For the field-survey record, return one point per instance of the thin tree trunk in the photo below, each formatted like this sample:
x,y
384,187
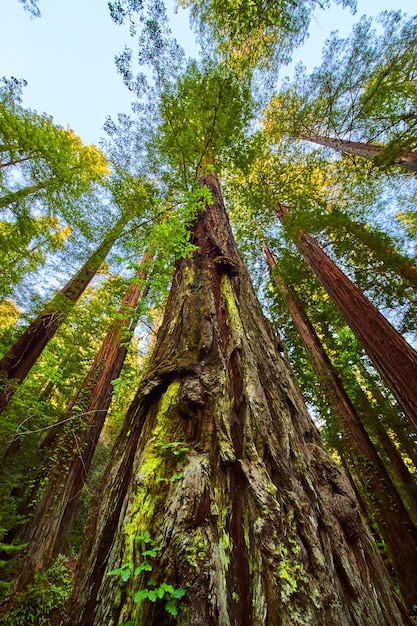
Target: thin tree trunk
x,y
406,160
392,421
403,266
16,162
18,361
71,456
394,522
16,196
220,463
401,475
391,355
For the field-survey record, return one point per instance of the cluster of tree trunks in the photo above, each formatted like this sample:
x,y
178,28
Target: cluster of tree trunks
x,y
22,356
69,456
394,522
219,461
391,355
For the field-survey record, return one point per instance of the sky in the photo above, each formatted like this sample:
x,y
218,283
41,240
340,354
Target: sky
x,y
67,55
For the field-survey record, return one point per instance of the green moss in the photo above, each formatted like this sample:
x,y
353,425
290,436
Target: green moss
x,y
229,297
290,570
198,549
151,472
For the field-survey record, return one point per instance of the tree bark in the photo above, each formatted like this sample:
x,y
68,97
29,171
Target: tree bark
x,y
391,355
394,522
16,196
18,361
403,266
219,461
406,160
70,458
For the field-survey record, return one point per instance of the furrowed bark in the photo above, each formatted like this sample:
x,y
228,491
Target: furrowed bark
x,y
220,463
72,453
391,355
394,522
406,160
18,361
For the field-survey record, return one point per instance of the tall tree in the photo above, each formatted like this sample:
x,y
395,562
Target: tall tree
x,y
392,356
257,34
59,487
17,362
394,523
238,425
362,99
49,158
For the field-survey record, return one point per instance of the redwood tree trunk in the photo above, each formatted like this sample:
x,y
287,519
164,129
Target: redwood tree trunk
x,y
72,453
221,464
18,361
394,523
391,355
406,160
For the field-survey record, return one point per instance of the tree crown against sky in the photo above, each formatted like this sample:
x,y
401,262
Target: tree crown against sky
x,y
208,383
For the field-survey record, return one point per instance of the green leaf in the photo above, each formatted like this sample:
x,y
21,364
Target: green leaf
x,y
143,567
179,593
160,592
153,552
141,595
171,608
152,595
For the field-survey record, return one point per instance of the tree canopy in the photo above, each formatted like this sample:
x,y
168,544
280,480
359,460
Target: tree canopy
x,y
208,492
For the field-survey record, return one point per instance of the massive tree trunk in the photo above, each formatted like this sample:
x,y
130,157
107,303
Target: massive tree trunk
x,y
69,460
406,160
220,463
18,361
394,523
391,355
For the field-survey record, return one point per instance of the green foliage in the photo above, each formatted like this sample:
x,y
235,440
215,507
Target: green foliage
x,y
153,591
253,33
203,117
44,597
364,90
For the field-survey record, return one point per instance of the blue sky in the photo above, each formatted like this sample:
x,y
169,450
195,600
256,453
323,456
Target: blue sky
x,y
67,56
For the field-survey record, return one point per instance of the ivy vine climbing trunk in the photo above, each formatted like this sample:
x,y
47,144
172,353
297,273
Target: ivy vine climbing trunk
x,y
69,459
220,469
394,522
21,357
391,355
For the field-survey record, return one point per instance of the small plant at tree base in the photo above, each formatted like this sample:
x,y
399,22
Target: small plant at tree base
x,y
153,591
44,597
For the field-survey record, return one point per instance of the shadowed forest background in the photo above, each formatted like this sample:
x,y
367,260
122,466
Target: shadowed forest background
x,y
208,375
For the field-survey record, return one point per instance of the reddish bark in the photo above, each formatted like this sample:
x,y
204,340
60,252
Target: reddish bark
x,y
391,355
73,451
394,522
18,361
257,501
406,160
